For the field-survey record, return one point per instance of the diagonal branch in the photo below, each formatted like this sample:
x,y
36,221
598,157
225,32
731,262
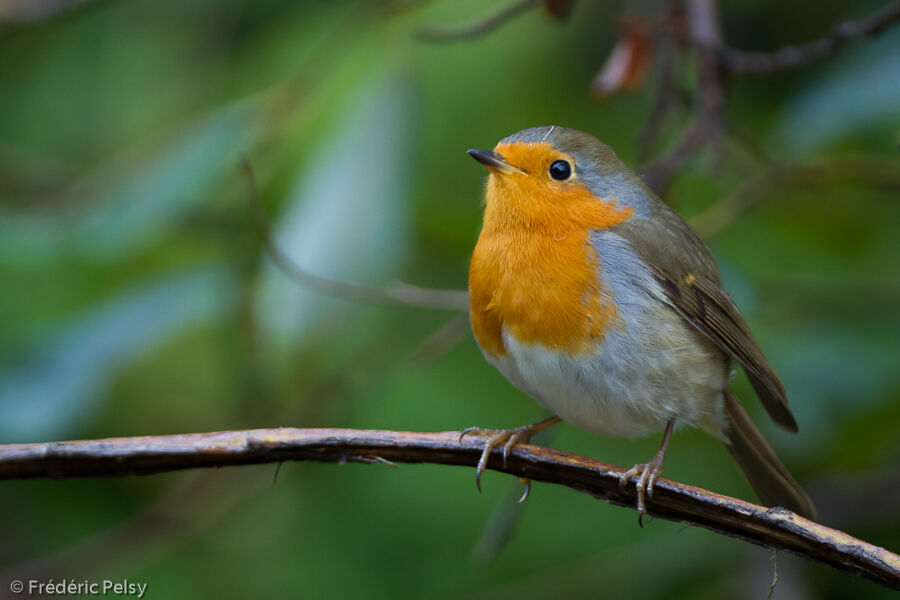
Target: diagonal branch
x,y
478,28
402,293
706,124
791,57
773,528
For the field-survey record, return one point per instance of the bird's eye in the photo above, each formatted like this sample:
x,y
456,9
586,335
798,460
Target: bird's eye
x,y
560,170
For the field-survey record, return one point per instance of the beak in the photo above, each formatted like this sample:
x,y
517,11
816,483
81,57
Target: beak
x,y
493,161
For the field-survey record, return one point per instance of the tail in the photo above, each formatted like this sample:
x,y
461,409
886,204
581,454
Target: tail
x,y
768,477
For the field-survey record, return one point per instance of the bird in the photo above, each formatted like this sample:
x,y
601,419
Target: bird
x,y
595,298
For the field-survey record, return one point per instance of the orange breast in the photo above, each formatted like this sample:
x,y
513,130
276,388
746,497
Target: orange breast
x,y
538,276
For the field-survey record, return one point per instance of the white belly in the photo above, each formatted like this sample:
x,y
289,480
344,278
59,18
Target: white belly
x,y
628,387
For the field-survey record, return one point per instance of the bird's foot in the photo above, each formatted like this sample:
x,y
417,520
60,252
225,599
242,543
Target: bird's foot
x,y
508,438
646,474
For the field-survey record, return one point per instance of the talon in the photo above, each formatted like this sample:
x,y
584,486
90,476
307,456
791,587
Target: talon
x,y
647,474
627,475
467,431
527,484
510,443
650,482
482,464
509,438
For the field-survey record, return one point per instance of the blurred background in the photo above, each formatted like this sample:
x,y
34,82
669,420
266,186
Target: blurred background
x,y
136,296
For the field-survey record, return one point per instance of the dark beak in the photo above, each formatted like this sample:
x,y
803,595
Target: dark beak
x,y
493,161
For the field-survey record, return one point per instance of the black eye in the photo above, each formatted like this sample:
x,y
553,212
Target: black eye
x,y
560,170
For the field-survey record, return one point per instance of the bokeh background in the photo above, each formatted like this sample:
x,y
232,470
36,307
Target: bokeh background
x,y
136,297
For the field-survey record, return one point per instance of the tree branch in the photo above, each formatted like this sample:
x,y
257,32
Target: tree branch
x,y
478,28
706,123
778,178
403,294
774,527
791,57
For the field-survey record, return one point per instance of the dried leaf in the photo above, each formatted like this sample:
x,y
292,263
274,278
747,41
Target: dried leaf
x,y
627,64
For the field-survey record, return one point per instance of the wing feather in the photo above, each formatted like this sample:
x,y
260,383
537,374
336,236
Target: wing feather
x,y
705,305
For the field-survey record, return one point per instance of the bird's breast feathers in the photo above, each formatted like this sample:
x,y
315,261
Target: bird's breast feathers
x,y
538,289
581,326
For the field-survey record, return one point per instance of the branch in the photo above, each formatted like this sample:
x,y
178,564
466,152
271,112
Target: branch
x,y
478,28
706,124
403,293
665,94
815,174
791,57
773,527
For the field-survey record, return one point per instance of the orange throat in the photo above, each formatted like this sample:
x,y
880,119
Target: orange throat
x,y
534,273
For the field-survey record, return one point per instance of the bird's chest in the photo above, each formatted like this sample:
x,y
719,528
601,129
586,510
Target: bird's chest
x,y
588,337
540,288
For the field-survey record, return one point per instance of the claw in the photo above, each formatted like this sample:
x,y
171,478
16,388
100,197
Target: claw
x,y
515,439
527,483
467,431
646,475
509,438
650,481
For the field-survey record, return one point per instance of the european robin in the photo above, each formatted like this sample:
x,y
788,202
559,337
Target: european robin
x,y
596,299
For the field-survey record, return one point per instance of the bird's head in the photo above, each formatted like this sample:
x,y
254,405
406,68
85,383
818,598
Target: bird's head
x,y
556,179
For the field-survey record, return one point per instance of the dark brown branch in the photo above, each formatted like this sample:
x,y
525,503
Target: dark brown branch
x,y
706,123
773,527
478,28
665,94
791,57
403,293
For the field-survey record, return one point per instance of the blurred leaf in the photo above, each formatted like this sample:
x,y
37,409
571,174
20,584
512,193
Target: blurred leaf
x,y
861,91
833,373
136,207
626,66
50,394
348,213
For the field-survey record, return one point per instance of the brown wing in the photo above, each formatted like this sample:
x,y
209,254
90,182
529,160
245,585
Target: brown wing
x,y
706,306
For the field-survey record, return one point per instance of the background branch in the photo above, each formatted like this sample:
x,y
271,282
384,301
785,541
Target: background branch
x,y
478,28
810,175
791,57
706,124
402,293
774,527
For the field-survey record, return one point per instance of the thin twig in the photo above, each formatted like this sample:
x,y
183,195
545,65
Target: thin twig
x,y
402,293
441,341
706,123
772,527
478,28
791,57
665,94
718,216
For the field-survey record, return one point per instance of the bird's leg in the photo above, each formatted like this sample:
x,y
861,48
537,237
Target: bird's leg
x,y
647,473
509,438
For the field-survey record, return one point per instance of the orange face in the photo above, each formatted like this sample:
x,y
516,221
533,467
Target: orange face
x,y
534,273
532,198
